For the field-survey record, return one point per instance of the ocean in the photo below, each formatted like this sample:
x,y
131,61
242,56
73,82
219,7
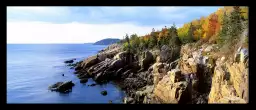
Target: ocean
x,y
32,68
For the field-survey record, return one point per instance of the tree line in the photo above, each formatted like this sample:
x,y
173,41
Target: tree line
x,y
222,26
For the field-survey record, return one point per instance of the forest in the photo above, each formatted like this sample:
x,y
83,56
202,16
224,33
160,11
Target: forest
x,y
221,27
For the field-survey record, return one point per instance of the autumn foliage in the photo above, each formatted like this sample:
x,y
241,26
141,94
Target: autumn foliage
x,y
207,29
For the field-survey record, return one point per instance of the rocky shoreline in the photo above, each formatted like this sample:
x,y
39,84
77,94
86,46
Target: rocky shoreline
x,y
183,75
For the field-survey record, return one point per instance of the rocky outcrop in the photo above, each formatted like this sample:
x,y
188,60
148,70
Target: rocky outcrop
x,y
62,86
197,77
159,71
229,83
168,90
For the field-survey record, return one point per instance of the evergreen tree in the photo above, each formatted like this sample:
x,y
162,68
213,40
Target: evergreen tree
x,y
153,39
236,24
174,40
225,32
128,41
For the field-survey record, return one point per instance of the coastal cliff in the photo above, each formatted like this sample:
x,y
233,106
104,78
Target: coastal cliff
x,y
166,67
192,78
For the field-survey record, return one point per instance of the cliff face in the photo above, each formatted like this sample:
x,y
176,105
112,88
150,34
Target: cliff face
x,y
230,83
199,76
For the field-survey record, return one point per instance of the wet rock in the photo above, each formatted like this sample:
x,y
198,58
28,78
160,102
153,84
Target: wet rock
x,y
62,86
69,61
78,68
84,80
104,93
92,85
55,86
82,76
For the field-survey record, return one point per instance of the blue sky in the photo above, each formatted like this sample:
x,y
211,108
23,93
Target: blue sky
x,y
96,22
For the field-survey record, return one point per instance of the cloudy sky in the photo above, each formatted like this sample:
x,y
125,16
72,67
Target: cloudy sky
x,y
90,24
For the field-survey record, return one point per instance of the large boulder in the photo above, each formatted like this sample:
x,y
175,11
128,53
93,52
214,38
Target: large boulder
x,y
62,86
126,57
169,92
165,54
155,53
117,64
88,62
159,71
147,60
120,55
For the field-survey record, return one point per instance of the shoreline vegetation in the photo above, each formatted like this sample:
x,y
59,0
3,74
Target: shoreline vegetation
x,y
205,61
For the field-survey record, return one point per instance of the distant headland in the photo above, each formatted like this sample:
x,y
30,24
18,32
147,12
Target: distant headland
x,y
107,41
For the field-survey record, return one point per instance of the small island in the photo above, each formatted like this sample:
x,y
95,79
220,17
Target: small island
x,y
106,41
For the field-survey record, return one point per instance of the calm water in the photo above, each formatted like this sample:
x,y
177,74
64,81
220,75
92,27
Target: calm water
x,y
31,68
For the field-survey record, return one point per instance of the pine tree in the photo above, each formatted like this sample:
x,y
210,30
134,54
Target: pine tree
x,y
190,37
225,31
128,41
236,24
153,39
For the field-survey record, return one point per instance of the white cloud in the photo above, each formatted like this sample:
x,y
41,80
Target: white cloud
x,y
45,10
169,9
44,32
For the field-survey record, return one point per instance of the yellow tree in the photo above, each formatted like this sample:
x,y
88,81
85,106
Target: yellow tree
x,y
205,28
198,34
